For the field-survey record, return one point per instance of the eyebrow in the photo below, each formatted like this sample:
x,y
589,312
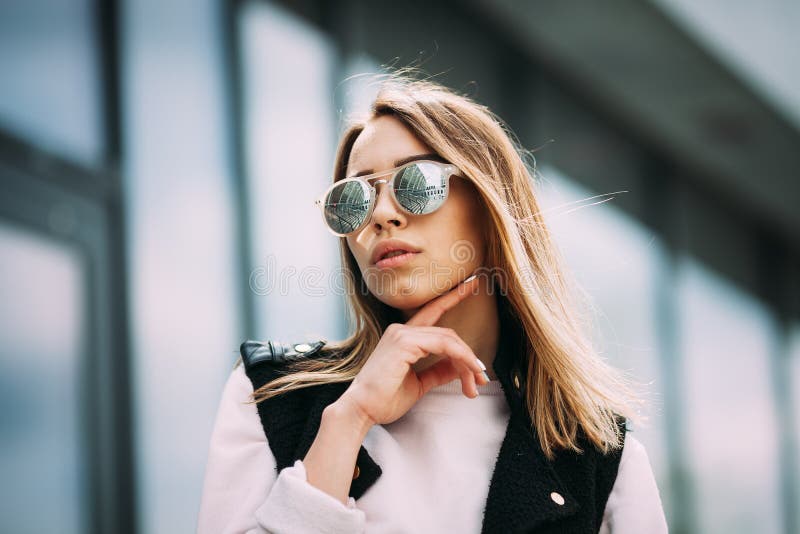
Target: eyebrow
x,y
403,161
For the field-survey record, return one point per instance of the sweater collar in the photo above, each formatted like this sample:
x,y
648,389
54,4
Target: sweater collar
x,y
493,388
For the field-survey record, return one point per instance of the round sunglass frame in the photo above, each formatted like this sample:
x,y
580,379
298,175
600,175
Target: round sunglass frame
x,y
449,169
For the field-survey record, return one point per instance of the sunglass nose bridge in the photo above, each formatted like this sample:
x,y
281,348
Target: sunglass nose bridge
x,y
376,183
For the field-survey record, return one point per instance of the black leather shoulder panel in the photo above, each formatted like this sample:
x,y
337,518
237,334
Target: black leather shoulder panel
x,y
256,353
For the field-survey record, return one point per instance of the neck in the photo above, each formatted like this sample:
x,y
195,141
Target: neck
x,y
475,319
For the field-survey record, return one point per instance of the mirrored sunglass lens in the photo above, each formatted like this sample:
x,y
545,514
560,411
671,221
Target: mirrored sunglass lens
x,y
346,207
421,188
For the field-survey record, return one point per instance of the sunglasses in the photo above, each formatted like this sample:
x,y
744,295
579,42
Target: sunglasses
x,y
419,188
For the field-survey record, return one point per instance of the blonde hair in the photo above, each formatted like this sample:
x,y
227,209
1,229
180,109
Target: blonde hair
x,y
569,388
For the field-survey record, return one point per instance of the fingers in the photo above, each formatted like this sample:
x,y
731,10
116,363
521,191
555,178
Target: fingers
x,y
449,332
480,376
437,374
446,371
467,365
447,345
431,312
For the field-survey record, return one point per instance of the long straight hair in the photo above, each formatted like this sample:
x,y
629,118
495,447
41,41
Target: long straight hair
x,y
569,388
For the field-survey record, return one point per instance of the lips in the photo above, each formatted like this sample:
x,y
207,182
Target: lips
x,y
387,247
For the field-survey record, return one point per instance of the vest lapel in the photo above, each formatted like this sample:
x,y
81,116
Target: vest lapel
x,y
523,482
521,490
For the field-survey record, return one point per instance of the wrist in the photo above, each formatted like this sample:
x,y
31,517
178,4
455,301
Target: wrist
x,y
346,412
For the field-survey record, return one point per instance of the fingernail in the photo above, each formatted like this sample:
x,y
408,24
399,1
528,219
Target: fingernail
x,y
487,377
481,364
467,279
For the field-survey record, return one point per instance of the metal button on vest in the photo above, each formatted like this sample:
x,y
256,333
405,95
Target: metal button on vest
x,y
302,347
356,472
557,498
516,380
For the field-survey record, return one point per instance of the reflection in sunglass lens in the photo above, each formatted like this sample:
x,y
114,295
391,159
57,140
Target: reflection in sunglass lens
x,y
421,188
347,206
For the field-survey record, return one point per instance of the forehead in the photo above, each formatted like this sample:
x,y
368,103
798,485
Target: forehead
x,y
383,141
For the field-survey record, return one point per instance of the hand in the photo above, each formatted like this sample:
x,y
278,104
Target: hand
x,y
387,386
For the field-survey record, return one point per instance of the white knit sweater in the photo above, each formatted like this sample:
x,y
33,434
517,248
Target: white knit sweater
x,y
436,462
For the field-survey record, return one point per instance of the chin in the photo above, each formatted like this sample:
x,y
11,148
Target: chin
x,y
406,300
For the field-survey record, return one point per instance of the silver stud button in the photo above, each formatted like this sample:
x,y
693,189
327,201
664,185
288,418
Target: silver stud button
x,y
557,498
302,347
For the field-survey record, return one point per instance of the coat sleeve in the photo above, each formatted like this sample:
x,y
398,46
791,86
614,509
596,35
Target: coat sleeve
x,y
243,493
634,504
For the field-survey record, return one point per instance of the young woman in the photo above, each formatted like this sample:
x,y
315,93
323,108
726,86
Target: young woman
x,y
467,398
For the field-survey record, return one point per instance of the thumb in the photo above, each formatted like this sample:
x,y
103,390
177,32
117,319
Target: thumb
x,y
437,374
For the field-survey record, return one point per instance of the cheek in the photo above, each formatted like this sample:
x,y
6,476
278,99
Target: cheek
x,y
356,251
465,237
467,247
456,241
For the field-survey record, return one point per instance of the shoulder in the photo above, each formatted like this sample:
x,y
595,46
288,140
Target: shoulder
x,y
635,460
237,419
635,501
238,385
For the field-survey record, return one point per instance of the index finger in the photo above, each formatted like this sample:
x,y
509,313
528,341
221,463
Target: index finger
x,y
430,313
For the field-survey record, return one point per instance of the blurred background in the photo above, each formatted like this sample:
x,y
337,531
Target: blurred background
x,y
159,160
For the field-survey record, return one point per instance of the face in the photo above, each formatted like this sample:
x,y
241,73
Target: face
x,y
450,241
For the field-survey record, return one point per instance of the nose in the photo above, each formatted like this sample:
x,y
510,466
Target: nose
x,y
386,213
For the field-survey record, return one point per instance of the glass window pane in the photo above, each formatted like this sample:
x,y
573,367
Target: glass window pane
x,y
41,350
732,429
184,286
50,94
290,129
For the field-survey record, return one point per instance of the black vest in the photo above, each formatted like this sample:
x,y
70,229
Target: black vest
x,y
527,493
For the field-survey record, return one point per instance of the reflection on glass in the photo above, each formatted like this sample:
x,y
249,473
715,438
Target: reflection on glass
x,y
420,188
346,206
